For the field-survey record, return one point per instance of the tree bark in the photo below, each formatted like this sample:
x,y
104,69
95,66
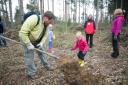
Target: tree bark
x,y
48,5
21,9
10,9
97,14
79,11
66,10
53,6
41,7
63,9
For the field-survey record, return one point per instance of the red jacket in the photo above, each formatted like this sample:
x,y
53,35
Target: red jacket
x,y
89,27
81,45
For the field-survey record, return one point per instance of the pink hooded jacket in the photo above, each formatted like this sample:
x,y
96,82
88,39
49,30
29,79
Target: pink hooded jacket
x,y
117,25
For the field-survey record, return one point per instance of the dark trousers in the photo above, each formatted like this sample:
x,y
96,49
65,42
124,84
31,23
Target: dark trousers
x,y
81,55
115,44
89,37
2,41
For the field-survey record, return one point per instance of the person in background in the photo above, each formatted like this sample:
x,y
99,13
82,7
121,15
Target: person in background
x,y
125,17
2,30
89,29
82,46
116,30
34,36
51,36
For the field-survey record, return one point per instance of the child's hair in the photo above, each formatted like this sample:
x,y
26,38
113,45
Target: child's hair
x,y
118,12
78,34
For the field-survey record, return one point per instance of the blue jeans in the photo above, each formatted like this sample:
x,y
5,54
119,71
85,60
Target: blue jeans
x,y
50,44
29,60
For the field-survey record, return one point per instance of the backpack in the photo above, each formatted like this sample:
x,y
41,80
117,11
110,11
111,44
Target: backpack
x,y
28,14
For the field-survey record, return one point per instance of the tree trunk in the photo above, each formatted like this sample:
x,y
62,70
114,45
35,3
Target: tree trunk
x,y
66,10
48,5
21,8
41,7
4,15
76,12
97,14
53,6
121,5
63,9
79,11
10,9
71,11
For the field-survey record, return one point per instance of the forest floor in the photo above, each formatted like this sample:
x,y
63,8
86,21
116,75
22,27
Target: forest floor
x,y
101,68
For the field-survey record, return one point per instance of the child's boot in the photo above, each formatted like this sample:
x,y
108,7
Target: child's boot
x,y
82,63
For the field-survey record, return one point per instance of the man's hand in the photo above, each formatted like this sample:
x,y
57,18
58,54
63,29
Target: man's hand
x,y
30,46
40,45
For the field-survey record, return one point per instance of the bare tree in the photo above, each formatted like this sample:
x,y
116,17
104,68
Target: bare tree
x,y
63,9
48,4
53,6
75,11
4,12
96,4
21,8
41,7
10,9
79,10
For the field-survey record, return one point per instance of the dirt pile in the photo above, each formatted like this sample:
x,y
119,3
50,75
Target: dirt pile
x,y
76,75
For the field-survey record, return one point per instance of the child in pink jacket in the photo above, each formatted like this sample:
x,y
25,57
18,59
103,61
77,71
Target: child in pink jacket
x,y
82,47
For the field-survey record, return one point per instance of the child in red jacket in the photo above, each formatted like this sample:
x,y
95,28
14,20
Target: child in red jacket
x,y
82,46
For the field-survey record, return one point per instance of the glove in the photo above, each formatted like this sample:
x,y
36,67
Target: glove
x,y
40,45
30,46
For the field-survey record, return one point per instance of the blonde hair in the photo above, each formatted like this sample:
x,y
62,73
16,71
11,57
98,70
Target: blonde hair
x,y
118,12
78,34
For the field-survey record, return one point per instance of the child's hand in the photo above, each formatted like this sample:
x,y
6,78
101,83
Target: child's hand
x,y
73,51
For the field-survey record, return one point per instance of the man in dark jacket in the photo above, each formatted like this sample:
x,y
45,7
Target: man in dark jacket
x,y
2,40
89,29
